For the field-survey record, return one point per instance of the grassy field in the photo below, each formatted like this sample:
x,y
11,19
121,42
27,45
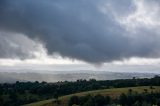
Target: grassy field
x,y
115,92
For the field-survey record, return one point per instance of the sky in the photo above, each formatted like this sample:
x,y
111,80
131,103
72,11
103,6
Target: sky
x,y
108,35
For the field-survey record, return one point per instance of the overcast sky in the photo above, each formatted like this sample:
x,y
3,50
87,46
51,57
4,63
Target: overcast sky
x,y
80,34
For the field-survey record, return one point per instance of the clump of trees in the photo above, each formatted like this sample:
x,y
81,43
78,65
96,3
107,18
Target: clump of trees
x,y
144,99
97,100
130,99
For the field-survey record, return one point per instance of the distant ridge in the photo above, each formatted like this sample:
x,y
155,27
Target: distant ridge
x,y
11,77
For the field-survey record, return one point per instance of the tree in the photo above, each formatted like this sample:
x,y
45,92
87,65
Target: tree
x,y
1,101
55,95
158,102
99,100
122,99
146,90
90,102
107,100
73,100
130,91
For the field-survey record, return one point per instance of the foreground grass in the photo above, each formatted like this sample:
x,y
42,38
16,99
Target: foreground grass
x,y
115,92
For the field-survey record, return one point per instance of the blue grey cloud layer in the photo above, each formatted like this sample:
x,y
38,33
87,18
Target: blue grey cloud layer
x,y
80,29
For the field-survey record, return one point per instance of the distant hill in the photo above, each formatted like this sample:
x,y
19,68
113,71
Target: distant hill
x,y
11,77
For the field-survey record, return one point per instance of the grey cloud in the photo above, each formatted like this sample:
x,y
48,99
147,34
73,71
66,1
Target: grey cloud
x,y
78,29
17,46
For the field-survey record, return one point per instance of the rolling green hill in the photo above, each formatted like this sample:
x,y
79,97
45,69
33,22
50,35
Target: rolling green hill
x,y
115,92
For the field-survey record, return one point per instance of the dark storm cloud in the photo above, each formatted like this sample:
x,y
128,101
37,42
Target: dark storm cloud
x,y
79,29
